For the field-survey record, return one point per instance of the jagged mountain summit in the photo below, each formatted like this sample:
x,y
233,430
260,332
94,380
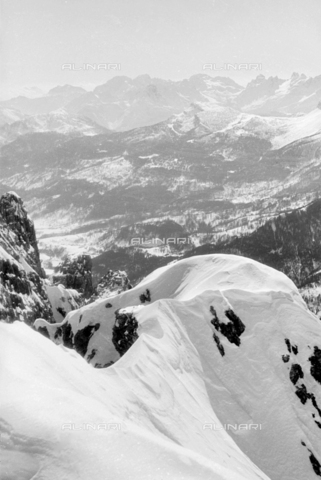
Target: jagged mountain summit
x,y
258,349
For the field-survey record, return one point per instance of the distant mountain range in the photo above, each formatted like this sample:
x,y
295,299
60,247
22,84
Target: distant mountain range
x,y
123,103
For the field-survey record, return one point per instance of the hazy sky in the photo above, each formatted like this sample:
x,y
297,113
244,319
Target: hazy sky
x,y
164,38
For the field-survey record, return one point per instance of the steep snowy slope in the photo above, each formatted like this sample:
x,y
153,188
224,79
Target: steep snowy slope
x,y
280,131
141,419
258,345
300,127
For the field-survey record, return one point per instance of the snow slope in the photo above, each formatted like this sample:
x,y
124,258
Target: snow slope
x,y
145,414
62,300
300,127
257,346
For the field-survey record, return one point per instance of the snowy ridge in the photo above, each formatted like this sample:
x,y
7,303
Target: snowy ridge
x,y
253,343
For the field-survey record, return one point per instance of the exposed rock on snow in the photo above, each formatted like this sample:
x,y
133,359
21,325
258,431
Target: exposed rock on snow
x,y
63,300
124,331
231,330
112,283
315,360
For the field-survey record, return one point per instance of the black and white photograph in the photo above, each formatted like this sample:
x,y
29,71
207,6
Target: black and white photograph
x,y
160,239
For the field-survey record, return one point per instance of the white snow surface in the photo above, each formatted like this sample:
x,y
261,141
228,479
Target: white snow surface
x,y
170,386
62,300
299,127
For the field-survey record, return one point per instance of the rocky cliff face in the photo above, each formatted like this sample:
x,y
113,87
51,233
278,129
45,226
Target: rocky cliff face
x,y
23,294
15,220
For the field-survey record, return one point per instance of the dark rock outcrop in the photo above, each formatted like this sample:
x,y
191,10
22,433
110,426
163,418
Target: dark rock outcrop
x,y
219,345
315,361
124,331
296,373
15,221
112,283
145,297
231,330
76,273
315,464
